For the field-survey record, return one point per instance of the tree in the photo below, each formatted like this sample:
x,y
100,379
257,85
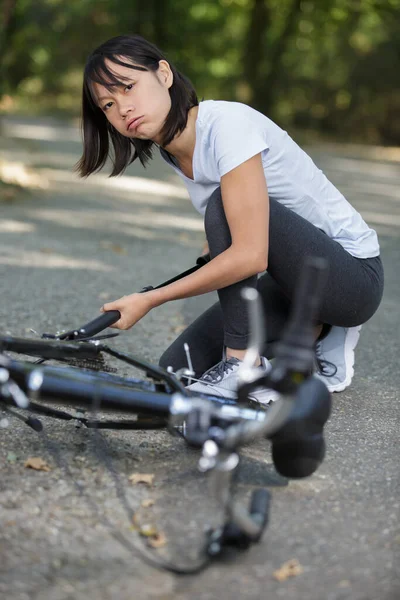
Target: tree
x,y
7,26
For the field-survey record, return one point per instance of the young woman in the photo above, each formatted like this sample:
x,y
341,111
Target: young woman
x,y
266,206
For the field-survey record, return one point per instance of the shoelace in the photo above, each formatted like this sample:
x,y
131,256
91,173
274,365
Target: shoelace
x,y
215,374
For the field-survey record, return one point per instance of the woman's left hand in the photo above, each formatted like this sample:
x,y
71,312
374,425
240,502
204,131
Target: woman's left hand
x,y
132,308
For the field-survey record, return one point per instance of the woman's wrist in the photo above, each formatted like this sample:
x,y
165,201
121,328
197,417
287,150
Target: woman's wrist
x,y
154,298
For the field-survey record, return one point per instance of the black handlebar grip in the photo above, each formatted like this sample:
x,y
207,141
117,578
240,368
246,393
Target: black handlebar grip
x,y
90,329
203,259
298,448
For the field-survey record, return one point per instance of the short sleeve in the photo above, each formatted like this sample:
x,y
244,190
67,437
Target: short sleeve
x,y
235,139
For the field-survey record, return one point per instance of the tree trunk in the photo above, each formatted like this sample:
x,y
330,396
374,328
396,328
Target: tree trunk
x,y
7,26
137,21
7,23
254,46
160,23
265,89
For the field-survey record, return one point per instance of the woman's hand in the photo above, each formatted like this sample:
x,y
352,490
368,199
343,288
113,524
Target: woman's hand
x,y
132,308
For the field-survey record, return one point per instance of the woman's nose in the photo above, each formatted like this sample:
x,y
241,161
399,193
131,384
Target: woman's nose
x,y
125,110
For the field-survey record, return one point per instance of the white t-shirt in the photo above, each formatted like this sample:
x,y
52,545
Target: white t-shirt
x,y
229,133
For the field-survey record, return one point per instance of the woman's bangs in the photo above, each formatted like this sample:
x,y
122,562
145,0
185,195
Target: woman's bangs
x,y
99,72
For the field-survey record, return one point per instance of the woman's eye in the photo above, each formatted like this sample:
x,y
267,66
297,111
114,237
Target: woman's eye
x,y
128,87
108,105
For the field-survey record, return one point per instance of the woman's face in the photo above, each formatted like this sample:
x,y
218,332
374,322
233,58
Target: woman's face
x,y
139,108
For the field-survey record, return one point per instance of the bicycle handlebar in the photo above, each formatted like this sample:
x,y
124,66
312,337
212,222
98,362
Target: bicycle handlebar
x,y
294,424
112,316
90,329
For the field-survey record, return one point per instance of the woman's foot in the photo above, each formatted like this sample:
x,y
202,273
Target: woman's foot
x,y
222,380
335,357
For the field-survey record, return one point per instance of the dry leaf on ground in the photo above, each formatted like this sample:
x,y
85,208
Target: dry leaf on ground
x,y
146,478
157,541
291,568
135,521
148,530
37,463
155,538
113,247
147,503
178,328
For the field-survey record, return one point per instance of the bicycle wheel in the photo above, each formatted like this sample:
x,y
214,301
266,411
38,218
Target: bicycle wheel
x,y
83,392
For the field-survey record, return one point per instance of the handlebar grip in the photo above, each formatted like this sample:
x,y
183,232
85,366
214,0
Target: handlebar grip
x,y
98,324
298,448
203,259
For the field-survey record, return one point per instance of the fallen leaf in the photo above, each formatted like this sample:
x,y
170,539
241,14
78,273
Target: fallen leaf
x,y
179,328
135,522
147,503
291,568
148,530
118,249
12,457
157,541
114,247
155,538
46,250
146,478
36,463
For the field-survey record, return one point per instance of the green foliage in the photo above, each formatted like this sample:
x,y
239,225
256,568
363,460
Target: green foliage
x,y
330,65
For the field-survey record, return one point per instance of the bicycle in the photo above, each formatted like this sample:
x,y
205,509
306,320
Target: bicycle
x,y
294,424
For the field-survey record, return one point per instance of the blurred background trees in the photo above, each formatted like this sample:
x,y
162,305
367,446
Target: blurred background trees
x,y
331,66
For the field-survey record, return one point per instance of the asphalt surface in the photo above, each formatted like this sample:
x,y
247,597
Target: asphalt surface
x,y
68,246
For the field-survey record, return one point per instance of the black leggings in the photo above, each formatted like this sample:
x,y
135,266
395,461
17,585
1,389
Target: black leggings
x,y
351,295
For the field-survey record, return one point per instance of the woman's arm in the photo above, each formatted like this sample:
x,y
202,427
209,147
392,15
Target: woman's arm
x,y
246,204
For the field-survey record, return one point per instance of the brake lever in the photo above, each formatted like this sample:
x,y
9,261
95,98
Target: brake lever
x,y
241,527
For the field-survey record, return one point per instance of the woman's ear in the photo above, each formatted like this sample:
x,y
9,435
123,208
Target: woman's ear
x,y
165,73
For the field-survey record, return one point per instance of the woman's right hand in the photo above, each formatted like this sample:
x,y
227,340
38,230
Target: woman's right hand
x,y
132,308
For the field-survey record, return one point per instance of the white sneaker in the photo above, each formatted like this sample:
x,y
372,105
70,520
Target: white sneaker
x,y
335,357
222,381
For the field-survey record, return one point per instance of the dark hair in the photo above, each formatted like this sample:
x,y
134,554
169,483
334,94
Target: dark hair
x,y
98,131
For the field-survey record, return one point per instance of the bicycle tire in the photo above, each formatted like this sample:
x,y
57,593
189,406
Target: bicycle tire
x,y
84,356
49,349
76,394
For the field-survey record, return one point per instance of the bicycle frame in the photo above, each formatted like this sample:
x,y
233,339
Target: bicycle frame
x,y
294,424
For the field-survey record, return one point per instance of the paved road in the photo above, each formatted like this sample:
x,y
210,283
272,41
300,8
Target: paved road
x,y
68,246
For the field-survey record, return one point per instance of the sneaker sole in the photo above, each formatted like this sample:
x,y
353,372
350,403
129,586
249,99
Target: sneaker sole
x,y
349,347
265,397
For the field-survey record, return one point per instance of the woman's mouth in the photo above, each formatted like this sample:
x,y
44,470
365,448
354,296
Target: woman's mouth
x,y
132,124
